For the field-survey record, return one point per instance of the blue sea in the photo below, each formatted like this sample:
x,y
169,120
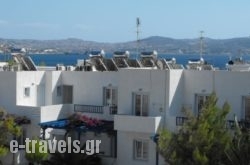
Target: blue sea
x,y
71,59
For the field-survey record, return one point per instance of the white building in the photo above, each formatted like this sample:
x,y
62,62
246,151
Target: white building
x,y
140,101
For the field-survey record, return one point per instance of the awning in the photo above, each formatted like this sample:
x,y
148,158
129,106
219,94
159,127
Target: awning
x,y
58,124
105,126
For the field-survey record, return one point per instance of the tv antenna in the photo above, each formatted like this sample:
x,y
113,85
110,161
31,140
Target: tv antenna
x,y
138,23
201,43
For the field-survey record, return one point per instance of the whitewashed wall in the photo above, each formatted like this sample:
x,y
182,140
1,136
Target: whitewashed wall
x,y
142,80
125,146
175,98
229,86
32,80
88,86
53,79
8,90
168,91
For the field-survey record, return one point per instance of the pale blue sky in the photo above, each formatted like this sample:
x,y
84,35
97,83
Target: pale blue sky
x,y
115,20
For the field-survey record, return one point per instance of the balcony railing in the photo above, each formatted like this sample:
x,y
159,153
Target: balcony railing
x,y
88,108
180,120
113,110
242,124
230,124
95,109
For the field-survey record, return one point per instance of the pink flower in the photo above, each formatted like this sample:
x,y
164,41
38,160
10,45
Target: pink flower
x,y
93,122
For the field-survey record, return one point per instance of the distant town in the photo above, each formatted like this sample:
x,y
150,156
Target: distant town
x,y
162,45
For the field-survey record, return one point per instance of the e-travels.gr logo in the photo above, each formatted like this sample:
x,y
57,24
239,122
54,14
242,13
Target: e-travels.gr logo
x,y
61,146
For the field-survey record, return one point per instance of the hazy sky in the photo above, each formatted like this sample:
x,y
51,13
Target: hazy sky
x,y
115,20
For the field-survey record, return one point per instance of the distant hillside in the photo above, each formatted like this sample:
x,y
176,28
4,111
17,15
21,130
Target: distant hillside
x,y
161,44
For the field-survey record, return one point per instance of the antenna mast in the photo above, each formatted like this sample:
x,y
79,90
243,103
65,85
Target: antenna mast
x,y
201,43
138,23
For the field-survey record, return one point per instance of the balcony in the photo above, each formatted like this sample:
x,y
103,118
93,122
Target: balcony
x,y
242,124
88,108
230,124
144,124
101,112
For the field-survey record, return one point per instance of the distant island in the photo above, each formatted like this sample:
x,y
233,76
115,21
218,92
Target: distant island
x,y
163,45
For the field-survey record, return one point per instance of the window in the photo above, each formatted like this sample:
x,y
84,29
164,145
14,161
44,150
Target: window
x,y
67,94
59,91
141,149
27,91
109,96
246,106
200,101
141,104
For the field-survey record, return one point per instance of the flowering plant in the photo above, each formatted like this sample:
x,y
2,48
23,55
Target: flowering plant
x,y
79,118
19,119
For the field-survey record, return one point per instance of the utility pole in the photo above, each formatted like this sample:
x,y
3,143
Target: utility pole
x,y
201,43
138,23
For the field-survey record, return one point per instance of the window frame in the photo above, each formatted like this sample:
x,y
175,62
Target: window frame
x,y
26,91
142,112
198,109
113,96
67,94
144,153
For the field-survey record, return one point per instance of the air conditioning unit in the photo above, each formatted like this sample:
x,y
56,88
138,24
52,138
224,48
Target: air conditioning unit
x,y
60,67
70,68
